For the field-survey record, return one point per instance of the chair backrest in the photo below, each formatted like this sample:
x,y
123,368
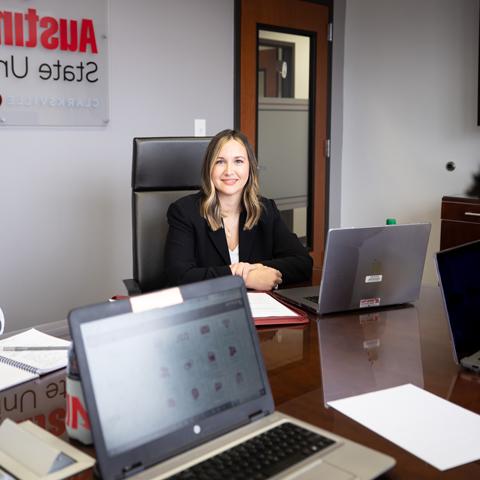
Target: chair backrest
x,y
163,170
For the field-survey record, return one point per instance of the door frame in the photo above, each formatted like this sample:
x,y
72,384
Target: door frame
x,y
246,114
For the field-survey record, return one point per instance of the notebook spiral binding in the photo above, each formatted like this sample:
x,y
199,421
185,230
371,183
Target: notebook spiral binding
x,y
17,364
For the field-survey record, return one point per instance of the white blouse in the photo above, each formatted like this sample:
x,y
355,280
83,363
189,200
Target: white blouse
x,y
233,255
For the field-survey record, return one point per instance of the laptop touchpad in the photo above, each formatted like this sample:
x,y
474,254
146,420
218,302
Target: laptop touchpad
x,y
323,470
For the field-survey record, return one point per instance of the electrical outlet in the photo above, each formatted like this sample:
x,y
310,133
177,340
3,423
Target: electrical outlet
x,y
200,127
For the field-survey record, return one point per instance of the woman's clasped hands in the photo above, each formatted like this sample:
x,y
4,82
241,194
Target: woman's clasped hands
x,y
257,276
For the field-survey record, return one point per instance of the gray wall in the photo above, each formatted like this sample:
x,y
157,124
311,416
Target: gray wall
x,y
409,106
65,220
336,126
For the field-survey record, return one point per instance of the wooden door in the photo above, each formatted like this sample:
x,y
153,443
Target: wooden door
x,y
311,19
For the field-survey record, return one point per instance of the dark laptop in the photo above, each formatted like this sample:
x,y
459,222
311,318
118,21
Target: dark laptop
x,y
458,270
175,387
367,267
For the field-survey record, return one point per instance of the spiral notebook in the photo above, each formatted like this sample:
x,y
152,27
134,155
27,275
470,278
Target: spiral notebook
x,y
22,366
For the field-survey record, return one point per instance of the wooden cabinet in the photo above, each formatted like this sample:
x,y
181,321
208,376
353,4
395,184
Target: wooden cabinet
x,y
460,221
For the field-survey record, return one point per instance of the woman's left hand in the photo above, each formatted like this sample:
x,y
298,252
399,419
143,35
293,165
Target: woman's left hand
x,y
263,278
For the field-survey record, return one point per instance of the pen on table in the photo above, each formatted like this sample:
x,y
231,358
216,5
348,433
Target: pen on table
x,y
22,349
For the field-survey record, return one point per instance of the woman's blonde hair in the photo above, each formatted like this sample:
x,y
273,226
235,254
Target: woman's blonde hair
x,y
209,204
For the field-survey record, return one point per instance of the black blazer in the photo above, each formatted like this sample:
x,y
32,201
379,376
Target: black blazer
x,y
194,252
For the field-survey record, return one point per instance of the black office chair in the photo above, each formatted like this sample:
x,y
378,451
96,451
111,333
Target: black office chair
x,y
163,170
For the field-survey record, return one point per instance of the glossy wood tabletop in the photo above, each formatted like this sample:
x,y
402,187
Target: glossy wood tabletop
x,y
331,357
341,355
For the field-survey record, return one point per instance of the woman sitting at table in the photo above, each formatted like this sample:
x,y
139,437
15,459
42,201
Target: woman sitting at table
x,y
228,228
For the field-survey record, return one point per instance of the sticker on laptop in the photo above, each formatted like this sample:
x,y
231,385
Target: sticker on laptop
x,y
149,301
367,318
369,302
373,278
373,343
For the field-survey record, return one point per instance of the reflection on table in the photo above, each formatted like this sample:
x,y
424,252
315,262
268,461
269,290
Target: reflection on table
x,y
364,352
281,346
465,391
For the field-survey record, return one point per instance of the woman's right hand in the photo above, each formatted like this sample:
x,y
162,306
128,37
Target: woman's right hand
x,y
242,269
257,276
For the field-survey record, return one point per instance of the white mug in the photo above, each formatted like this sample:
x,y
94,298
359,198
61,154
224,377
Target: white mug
x,y
2,321
77,422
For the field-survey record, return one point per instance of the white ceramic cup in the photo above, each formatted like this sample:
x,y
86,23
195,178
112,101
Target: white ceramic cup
x,y
77,422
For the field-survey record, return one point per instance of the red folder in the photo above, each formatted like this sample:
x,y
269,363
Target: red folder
x,y
297,316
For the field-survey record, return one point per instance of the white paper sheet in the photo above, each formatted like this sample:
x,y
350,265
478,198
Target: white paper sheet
x,y
435,430
264,305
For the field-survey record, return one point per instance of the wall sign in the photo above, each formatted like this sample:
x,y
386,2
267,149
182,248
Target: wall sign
x,y
53,62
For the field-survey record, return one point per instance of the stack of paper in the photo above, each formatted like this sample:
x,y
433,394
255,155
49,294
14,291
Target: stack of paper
x,y
267,310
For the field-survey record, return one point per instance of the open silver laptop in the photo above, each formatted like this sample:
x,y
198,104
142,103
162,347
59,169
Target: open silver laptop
x,y
176,377
367,267
458,270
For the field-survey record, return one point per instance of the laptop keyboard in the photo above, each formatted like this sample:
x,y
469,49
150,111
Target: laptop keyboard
x,y
260,457
313,298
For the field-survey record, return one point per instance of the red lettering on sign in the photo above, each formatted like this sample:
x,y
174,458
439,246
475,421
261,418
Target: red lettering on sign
x,y
55,33
67,43
87,36
47,38
32,19
6,19
19,30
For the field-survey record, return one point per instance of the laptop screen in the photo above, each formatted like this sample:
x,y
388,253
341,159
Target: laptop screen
x,y
159,371
459,274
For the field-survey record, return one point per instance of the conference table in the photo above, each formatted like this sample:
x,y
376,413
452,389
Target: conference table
x,y
329,358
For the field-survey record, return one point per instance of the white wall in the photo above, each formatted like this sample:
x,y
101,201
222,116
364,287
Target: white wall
x,y
65,218
410,106
336,120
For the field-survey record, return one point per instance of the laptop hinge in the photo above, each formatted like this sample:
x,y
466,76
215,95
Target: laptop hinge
x,y
132,469
256,415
